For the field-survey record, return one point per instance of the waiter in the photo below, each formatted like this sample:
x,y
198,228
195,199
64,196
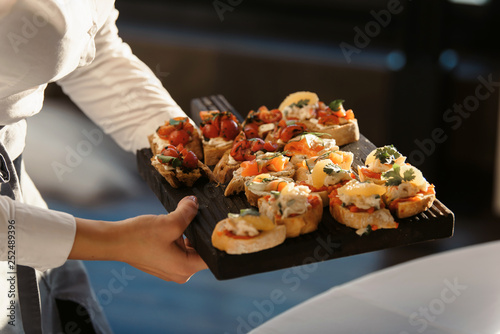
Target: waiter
x,y
76,44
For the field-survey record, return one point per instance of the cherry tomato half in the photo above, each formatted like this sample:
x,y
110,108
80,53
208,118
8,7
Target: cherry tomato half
x,y
170,152
291,131
257,144
251,130
270,116
164,131
179,137
210,131
229,129
270,147
240,149
189,160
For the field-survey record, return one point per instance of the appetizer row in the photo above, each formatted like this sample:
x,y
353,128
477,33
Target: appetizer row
x,y
289,164
395,189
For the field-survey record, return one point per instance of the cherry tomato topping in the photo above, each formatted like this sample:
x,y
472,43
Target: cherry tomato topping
x,y
270,116
251,130
189,161
257,145
329,120
170,152
188,127
165,131
270,147
178,122
210,131
229,129
179,137
291,131
237,152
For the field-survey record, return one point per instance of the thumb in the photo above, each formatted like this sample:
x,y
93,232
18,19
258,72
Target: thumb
x,y
184,213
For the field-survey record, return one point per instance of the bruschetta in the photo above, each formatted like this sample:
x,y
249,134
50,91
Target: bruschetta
x,y
247,232
179,166
378,161
359,205
176,131
408,192
294,207
219,128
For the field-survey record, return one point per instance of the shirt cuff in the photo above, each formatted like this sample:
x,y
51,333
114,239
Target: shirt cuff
x,y
44,238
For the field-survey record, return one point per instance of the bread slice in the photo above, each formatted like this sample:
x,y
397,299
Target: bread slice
x,y
214,152
296,225
381,218
223,171
343,134
407,208
234,245
178,177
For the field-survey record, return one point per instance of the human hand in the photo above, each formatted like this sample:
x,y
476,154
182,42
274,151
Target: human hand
x,y
161,249
153,244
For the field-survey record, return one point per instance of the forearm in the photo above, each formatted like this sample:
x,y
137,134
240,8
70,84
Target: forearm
x,y
98,240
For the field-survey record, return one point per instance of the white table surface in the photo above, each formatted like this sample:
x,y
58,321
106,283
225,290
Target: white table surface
x,y
455,292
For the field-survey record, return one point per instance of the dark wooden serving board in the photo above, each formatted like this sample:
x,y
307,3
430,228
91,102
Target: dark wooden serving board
x,y
331,240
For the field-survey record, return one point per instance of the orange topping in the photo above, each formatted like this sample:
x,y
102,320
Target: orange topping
x,y
301,147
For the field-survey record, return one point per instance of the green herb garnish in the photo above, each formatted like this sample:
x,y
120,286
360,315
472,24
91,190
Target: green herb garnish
x,y
175,122
300,103
332,168
275,193
336,104
394,177
387,154
172,161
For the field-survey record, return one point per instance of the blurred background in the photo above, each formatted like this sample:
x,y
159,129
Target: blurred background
x,y
422,75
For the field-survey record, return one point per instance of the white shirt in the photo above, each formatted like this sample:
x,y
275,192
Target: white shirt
x,y
76,44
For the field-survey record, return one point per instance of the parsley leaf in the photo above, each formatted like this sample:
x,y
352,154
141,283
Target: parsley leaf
x,y
172,161
387,154
300,103
394,177
335,104
175,122
332,168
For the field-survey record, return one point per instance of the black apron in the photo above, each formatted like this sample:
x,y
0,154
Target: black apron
x,y
27,285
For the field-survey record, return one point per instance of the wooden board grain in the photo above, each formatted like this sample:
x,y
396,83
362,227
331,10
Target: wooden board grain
x,y
331,240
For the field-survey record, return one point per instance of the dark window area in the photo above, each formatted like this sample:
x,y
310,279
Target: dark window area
x,y
401,66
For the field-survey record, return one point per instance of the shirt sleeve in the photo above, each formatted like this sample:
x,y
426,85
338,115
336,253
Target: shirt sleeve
x,y
119,92
33,236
